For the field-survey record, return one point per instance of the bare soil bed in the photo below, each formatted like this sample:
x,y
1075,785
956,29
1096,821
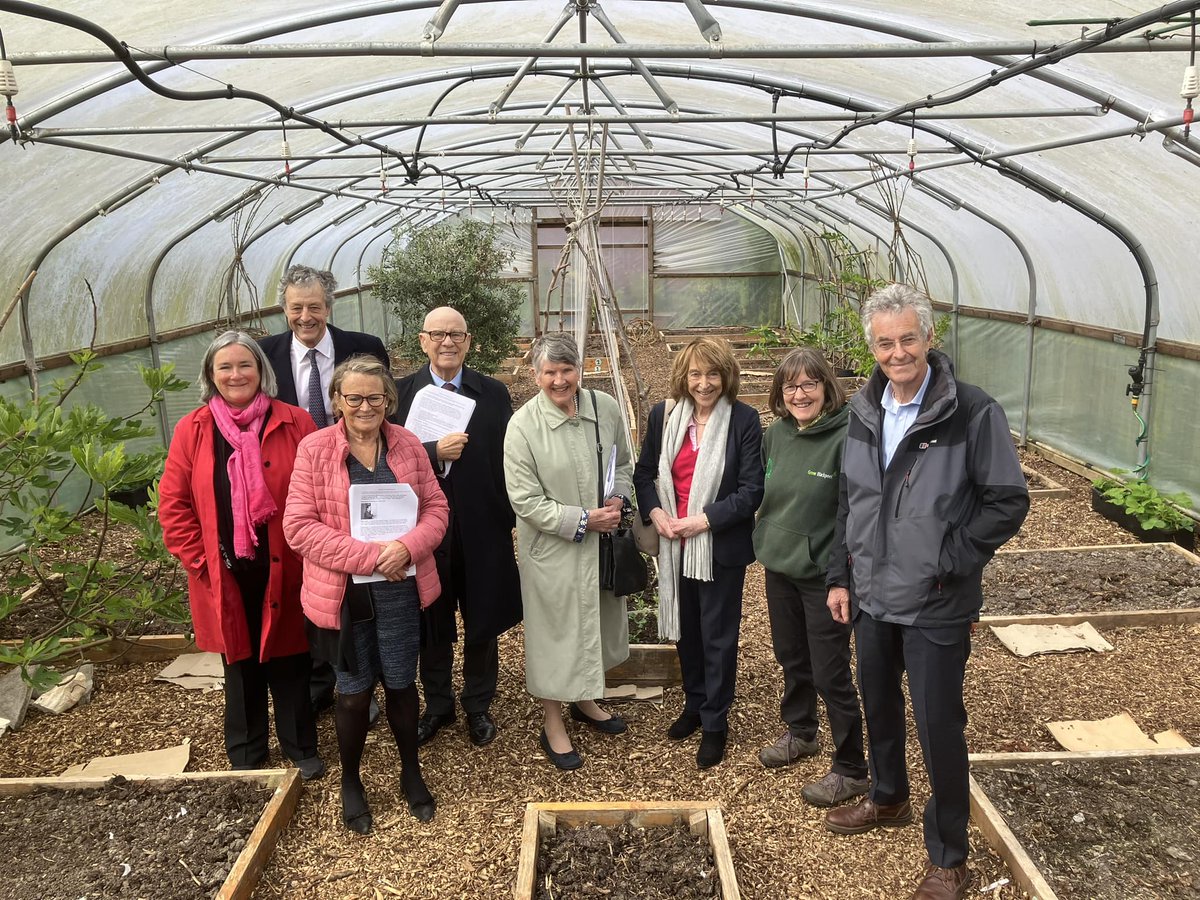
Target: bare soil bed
x,y
1089,581
1123,829
625,862
174,841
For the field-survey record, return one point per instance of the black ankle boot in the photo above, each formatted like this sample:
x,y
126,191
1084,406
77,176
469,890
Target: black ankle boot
x,y
712,749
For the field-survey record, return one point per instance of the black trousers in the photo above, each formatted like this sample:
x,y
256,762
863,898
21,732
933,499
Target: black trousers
x,y
710,614
321,684
481,658
481,670
247,683
814,652
936,660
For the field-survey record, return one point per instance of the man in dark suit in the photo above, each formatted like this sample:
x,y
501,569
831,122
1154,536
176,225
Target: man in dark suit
x,y
475,561
303,358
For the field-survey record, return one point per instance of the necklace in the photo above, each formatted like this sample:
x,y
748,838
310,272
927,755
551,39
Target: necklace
x,y
370,466
698,422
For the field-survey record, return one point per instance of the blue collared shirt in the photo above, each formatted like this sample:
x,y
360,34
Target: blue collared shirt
x,y
898,417
456,380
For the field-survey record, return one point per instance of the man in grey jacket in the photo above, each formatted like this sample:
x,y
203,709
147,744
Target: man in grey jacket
x,y
931,486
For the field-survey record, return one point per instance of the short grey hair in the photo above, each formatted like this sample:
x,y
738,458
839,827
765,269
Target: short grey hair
x,y
555,347
895,298
266,375
303,276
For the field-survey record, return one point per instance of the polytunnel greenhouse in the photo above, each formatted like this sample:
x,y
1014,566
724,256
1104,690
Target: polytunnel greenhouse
x,y
649,172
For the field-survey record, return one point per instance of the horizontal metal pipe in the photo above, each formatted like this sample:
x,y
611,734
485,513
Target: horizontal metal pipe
x,y
186,52
562,120
586,152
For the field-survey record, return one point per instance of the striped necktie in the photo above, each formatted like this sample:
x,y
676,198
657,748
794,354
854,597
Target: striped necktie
x,y
316,404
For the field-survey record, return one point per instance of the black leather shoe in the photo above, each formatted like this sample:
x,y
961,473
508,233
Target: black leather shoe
x,y
614,724
481,727
429,725
684,726
712,749
311,769
565,761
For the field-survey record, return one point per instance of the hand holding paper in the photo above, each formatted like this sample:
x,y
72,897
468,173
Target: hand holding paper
x,y
393,560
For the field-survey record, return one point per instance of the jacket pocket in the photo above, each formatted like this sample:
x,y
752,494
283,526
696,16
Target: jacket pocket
x,y
784,550
914,549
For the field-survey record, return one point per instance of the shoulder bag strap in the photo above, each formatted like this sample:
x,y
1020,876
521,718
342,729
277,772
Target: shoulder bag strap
x,y
599,451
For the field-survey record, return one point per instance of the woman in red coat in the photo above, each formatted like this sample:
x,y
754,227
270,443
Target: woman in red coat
x,y
221,502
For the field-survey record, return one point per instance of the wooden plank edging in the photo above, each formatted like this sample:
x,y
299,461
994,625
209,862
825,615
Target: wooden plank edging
x,y
649,665
1001,839
642,813
1126,618
147,648
248,867
991,822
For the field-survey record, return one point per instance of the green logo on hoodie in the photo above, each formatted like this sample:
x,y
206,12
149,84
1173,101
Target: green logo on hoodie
x,y
770,466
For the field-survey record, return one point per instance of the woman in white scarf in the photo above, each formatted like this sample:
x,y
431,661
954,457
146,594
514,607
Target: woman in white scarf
x,y
699,480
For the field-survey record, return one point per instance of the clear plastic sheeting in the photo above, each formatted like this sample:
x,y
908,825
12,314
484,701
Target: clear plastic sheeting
x,y
1055,186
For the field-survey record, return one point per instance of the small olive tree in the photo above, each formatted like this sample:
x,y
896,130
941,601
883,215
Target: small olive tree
x,y
456,264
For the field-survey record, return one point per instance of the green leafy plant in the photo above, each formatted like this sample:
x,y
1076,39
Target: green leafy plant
x,y
454,264
1140,499
66,576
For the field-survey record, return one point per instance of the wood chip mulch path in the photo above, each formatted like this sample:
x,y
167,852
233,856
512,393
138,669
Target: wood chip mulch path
x,y
781,849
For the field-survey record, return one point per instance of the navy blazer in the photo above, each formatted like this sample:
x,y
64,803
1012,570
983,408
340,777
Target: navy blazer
x,y
346,344
731,515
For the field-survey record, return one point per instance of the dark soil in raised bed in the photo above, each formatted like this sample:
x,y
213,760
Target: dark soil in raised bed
x,y
1089,581
169,841
625,862
1122,829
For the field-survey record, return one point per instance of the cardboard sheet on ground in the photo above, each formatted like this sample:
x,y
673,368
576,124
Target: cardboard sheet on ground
x,y
1030,640
195,671
170,761
633,692
1115,733
74,688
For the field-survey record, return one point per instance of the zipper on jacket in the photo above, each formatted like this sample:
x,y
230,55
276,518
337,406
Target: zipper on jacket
x,y
900,493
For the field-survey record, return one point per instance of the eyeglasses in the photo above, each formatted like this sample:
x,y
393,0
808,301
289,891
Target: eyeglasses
x,y
438,336
354,401
806,386
886,345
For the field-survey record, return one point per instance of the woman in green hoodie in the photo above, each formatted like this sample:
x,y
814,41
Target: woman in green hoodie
x,y
802,452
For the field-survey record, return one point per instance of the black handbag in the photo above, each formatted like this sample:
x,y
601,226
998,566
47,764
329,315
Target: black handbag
x,y
622,568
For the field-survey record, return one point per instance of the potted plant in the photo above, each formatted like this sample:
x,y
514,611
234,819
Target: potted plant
x,y
1140,508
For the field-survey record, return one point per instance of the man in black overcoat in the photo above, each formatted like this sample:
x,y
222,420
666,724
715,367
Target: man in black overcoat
x,y
475,561
306,295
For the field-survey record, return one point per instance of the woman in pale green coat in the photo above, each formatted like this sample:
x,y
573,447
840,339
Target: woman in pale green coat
x,y
573,630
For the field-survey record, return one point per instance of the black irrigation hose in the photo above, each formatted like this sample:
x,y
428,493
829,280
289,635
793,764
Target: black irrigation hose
x,y
1054,54
33,10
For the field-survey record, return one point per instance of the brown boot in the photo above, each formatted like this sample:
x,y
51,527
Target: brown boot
x,y
944,884
867,815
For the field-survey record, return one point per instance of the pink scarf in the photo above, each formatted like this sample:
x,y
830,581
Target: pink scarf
x,y
251,501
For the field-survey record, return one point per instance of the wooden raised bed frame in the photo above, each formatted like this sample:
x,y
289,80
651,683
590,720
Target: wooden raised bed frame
x,y
649,665
147,648
243,877
996,830
703,818
1105,619
1054,490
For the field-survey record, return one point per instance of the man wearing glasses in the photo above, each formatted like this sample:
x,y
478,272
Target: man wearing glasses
x,y
931,487
303,358
475,561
